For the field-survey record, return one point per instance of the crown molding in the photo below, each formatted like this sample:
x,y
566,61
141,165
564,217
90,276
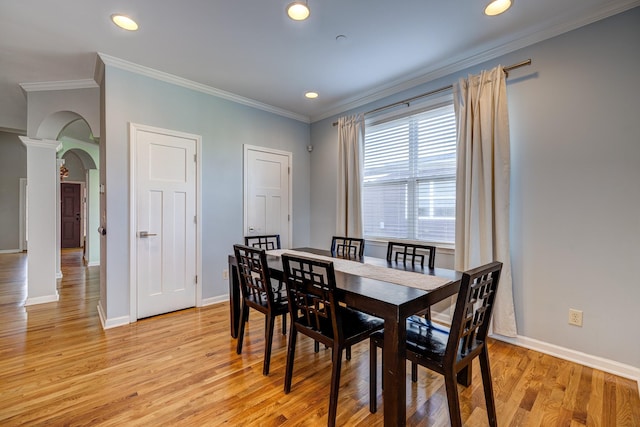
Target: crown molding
x,y
462,62
60,85
180,81
12,130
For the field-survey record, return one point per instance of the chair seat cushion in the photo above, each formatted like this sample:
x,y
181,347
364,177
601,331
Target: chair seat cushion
x,y
279,299
355,324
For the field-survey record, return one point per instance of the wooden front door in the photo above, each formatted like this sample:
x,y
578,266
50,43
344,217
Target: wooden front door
x,y
70,215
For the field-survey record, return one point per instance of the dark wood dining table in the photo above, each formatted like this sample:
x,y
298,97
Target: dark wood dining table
x,y
389,301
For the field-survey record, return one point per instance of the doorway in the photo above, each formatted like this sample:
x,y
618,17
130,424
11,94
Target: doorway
x,y
267,193
165,203
70,215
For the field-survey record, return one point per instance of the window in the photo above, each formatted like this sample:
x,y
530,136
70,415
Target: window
x,y
409,188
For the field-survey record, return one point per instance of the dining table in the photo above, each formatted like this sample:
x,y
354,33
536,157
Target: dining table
x,y
393,302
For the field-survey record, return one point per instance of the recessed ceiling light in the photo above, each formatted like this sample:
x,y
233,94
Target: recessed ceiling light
x,y
311,95
124,22
496,7
298,11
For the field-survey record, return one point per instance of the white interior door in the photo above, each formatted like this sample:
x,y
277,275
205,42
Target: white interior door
x,y
165,223
267,204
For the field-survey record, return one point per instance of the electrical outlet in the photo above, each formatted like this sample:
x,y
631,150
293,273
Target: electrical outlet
x,y
575,317
225,274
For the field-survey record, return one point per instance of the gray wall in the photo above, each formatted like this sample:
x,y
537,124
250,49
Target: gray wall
x,y
575,203
224,126
13,166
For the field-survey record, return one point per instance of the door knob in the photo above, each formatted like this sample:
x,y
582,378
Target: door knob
x,y
146,234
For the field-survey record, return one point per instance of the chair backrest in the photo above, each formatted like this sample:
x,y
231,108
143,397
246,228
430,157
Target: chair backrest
x,y
311,285
474,308
413,253
347,247
253,272
267,241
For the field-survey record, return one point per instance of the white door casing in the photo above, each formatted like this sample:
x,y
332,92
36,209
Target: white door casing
x,y
165,247
267,193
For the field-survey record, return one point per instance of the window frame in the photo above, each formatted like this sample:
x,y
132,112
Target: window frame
x,y
425,106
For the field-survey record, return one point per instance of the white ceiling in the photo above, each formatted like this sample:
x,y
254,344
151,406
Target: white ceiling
x,y
251,49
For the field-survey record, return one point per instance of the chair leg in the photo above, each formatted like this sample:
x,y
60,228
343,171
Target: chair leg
x,y
414,372
488,387
452,398
269,323
243,319
373,376
284,324
316,346
348,353
291,351
335,386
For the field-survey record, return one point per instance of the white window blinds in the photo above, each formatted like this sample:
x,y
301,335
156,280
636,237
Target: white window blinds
x,y
409,177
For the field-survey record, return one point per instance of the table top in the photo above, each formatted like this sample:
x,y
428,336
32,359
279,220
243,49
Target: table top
x,y
378,297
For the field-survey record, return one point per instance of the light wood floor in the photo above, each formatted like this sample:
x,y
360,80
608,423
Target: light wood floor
x,y
59,367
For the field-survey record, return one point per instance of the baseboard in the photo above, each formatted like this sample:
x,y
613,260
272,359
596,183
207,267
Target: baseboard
x,y
59,275
43,299
215,300
10,251
93,264
606,365
111,323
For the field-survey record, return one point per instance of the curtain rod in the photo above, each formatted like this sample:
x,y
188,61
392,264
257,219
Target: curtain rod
x,y
436,91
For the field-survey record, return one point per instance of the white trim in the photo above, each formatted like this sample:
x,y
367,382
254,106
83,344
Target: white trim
x,y
23,214
10,251
289,155
58,274
596,362
93,264
43,299
133,292
180,81
59,85
215,300
111,323
41,143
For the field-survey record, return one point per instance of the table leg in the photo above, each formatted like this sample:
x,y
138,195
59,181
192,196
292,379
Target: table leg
x,y
394,368
234,300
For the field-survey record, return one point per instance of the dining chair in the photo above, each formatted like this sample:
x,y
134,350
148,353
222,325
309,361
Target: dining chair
x,y
258,293
448,351
315,312
347,247
268,241
405,253
411,253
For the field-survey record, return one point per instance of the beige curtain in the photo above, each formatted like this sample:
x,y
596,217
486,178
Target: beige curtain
x,y
349,203
482,188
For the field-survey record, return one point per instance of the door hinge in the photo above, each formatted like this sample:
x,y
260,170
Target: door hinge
x,y
196,279
195,157
195,219
288,217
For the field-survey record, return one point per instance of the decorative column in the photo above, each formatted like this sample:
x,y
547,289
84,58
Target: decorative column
x,y
43,176
59,163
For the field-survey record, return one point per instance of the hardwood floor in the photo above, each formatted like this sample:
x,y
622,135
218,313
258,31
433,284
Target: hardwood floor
x,y
59,367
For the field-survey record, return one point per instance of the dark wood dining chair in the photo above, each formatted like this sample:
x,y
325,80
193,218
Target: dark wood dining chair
x,y
411,253
258,293
267,242
450,351
316,313
347,247
401,252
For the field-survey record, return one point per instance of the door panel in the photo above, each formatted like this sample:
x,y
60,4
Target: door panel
x,y
70,215
267,193
166,226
